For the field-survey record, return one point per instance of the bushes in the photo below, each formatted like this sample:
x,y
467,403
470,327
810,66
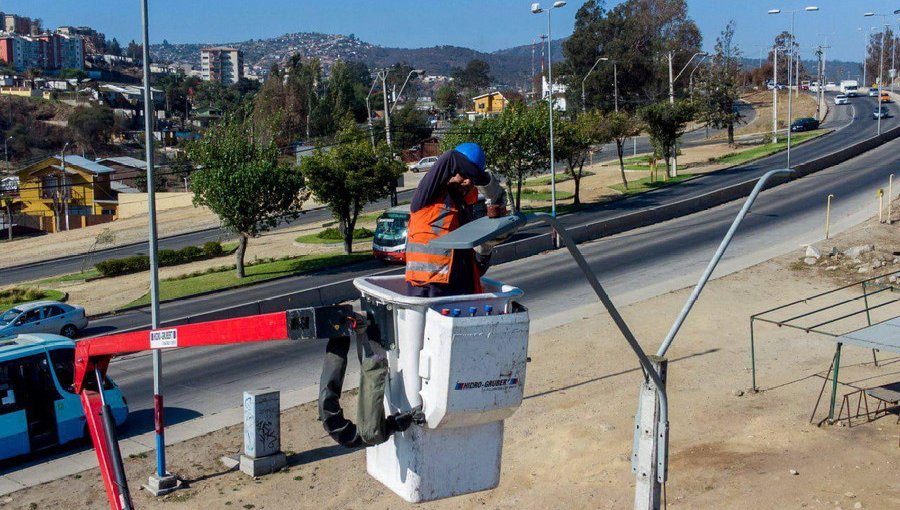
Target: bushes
x,y
115,267
213,249
127,265
335,234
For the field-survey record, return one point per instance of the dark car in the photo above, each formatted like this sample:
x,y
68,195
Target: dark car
x,y
880,112
804,124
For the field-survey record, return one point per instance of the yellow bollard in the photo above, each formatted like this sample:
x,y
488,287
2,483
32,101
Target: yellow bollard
x,y
828,215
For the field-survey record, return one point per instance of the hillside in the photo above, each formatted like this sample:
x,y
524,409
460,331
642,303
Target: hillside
x,y
509,66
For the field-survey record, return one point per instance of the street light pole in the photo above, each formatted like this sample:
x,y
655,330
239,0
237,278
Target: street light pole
x,y
673,170
536,9
881,63
775,94
691,77
161,482
790,81
583,100
369,112
59,189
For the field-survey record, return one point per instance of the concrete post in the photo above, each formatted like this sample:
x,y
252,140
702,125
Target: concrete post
x,y
262,433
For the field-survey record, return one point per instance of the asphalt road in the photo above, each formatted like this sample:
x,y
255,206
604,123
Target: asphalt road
x,y
632,266
74,263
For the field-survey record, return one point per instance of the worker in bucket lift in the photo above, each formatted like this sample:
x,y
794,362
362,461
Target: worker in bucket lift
x,y
442,203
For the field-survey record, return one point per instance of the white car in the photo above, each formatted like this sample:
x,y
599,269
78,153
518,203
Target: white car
x,y
423,165
841,99
873,92
43,317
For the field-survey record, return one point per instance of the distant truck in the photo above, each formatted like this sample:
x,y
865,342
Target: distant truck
x,y
850,88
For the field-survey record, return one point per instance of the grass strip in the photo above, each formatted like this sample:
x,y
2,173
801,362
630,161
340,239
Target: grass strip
x,y
768,149
224,277
332,235
18,295
531,194
72,277
645,184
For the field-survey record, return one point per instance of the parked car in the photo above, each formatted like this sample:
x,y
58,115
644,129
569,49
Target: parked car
x,y
841,99
423,164
886,98
881,112
873,92
37,404
43,317
804,124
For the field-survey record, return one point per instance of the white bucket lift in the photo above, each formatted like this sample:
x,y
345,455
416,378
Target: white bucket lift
x,y
467,373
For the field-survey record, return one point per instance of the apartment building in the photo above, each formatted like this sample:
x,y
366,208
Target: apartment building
x,y
48,52
224,65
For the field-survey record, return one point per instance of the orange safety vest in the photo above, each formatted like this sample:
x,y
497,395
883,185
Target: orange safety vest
x,y
426,264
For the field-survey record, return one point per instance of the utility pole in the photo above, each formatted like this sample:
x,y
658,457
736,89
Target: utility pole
x,y
161,482
775,94
671,81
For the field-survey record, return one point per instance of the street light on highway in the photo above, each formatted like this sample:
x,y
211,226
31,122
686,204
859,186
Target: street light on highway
x,y
536,9
880,62
810,8
691,76
672,80
615,83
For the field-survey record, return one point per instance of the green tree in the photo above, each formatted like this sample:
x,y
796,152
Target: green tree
x,y
349,176
409,126
621,126
637,34
720,90
114,48
91,126
665,123
242,181
135,51
476,75
574,140
514,142
446,97
68,74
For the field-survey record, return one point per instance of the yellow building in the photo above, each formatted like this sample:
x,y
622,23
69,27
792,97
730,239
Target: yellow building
x,y
56,196
490,103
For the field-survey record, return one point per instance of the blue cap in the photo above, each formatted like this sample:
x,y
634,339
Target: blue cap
x,y
472,152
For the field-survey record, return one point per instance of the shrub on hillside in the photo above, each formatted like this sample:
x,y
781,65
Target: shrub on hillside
x,y
213,249
115,267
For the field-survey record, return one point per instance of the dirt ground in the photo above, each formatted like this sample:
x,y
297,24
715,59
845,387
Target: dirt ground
x,y
569,445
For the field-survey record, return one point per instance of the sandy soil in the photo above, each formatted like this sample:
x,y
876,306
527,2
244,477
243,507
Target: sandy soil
x,y
569,445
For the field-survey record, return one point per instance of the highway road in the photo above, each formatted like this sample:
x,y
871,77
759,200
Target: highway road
x,y
840,118
633,265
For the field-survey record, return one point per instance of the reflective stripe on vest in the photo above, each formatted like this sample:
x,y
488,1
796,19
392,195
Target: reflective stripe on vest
x,y
424,263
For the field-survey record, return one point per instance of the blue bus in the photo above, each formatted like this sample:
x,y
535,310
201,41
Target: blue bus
x,y
38,409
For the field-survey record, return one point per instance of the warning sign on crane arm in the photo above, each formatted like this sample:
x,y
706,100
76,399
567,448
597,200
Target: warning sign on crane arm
x,y
164,339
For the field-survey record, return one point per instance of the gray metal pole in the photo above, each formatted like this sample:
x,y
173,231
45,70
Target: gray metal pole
x,y
550,102
616,86
893,72
775,94
865,56
154,263
716,258
790,118
387,112
881,77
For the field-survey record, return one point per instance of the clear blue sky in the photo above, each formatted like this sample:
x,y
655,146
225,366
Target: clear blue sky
x,y
481,24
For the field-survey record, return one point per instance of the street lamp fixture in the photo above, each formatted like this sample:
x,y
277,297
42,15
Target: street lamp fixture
x,y
615,83
791,53
536,9
880,62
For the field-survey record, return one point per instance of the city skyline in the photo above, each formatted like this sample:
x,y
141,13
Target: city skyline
x,y
466,23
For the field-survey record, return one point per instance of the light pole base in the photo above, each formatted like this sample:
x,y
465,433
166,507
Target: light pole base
x,y
160,486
